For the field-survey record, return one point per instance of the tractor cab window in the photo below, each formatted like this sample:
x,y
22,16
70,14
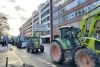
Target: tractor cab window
x,y
35,40
65,32
98,29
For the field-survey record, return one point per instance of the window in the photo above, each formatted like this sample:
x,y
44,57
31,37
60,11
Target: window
x,y
48,24
36,19
45,13
36,15
98,29
54,0
67,7
61,19
80,1
45,20
45,7
80,12
71,15
57,21
66,17
56,13
64,32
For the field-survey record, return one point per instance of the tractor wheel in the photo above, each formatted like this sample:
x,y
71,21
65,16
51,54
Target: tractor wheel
x,y
36,50
57,54
41,48
18,46
84,58
28,49
32,49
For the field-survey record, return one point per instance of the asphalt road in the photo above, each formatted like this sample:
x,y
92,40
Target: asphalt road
x,y
39,59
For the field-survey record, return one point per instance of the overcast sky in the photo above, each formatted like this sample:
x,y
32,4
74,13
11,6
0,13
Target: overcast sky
x,y
18,11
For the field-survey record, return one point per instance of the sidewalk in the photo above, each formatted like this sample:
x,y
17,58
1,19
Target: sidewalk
x,y
12,58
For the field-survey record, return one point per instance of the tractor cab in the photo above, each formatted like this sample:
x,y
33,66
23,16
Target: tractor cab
x,y
69,32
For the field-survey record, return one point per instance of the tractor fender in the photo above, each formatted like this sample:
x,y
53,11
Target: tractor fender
x,y
61,43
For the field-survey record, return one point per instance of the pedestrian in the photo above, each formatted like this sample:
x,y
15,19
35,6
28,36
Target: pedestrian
x,y
4,44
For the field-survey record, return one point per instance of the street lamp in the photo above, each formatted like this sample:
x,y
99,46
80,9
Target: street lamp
x,y
51,21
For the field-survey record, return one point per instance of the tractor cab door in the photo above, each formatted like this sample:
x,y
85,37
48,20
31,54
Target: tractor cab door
x,y
65,36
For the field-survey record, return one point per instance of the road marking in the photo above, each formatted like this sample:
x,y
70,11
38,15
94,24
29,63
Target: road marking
x,y
40,59
48,63
52,65
44,61
16,55
12,62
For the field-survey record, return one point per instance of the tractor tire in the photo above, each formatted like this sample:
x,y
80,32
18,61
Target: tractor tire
x,y
18,46
84,58
28,49
36,50
41,48
57,53
32,50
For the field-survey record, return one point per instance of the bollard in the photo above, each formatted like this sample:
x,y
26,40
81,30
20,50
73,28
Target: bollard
x,y
6,61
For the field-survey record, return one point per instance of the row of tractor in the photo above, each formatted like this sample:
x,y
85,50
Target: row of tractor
x,y
32,44
81,45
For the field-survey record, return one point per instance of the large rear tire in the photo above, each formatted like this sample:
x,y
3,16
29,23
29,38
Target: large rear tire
x,y
57,53
84,58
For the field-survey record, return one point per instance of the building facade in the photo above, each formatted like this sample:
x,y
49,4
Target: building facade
x,y
40,16
69,12
26,28
45,19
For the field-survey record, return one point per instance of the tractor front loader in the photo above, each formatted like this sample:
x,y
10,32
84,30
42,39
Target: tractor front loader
x,y
81,45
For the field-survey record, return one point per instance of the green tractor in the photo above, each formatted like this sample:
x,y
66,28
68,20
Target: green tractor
x,y
79,44
34,45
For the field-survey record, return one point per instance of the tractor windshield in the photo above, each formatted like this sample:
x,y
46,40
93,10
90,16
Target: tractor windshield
x,y
65,32
35,40
69,32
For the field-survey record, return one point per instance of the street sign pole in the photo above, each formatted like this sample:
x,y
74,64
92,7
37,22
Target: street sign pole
x,y
51,21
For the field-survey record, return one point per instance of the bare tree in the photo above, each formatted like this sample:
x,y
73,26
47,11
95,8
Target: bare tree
x,y
4,26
